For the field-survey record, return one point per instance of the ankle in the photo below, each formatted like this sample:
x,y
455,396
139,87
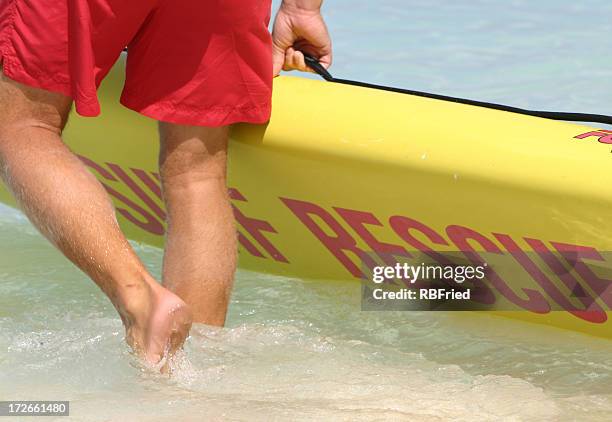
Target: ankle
x,y
134,298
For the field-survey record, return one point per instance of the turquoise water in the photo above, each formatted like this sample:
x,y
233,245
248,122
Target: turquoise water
x,y
302,350
546,54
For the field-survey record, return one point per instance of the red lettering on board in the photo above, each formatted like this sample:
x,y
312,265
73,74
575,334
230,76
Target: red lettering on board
x,y
153,185
593,314
155,225
574,254
137,190
97,168
150,223
358,220
460,236
331,233
242,239
254,227
402,226
338,244
605,137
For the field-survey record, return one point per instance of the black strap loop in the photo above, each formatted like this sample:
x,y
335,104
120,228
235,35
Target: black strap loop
x,y
554,115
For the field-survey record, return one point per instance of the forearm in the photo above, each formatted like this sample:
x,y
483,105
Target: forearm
x,y
302,5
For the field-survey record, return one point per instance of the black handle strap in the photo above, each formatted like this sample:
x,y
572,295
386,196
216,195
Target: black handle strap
x,y
554,115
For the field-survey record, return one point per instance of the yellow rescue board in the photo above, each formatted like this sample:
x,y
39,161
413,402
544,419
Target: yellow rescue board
x,y
341,173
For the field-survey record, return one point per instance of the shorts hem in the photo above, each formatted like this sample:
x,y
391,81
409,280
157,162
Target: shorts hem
x,y
210,117
15,71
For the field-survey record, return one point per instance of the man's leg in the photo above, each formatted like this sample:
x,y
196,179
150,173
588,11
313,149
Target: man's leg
x,y
71,208
200,256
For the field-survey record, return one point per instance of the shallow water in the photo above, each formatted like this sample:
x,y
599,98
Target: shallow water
x,y
302,350
293,350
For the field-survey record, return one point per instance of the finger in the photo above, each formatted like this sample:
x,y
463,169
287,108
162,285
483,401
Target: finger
x,y
299,62
288,59
294,60
291,62
278,60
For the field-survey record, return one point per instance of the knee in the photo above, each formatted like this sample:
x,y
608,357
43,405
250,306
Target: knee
x,y
192,155
191,179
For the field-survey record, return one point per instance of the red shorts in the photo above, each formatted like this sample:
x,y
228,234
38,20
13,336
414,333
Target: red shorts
x,y
196,62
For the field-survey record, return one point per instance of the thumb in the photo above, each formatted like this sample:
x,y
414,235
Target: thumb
x,y
278,59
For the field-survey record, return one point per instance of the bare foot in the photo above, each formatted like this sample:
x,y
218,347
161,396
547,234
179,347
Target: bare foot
x,y
158,324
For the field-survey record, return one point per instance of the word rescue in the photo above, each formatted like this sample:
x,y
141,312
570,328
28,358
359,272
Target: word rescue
x,y
347,235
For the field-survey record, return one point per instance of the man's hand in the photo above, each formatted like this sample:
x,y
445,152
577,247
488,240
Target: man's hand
x,y
299,27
